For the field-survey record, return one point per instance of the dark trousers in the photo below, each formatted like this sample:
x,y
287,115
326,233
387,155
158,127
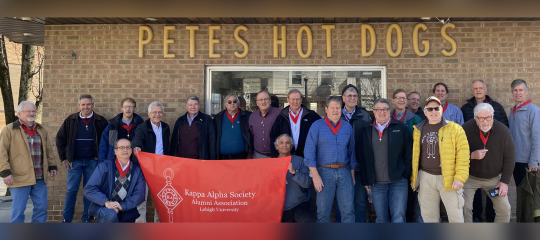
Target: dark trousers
x,y
299,214
234,156
519,172
478,208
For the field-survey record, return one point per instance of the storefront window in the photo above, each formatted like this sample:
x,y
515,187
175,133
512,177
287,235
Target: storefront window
x,y
315,82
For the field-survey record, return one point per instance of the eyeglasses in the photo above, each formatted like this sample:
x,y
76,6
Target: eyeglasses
x,y
295,99
29,111
433,108
414,99
123,148
263,100
128,107
351,96
157,113
383,110
231,102
400,98
481,119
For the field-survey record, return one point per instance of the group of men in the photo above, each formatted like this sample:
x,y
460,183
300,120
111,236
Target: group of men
x,y
405,161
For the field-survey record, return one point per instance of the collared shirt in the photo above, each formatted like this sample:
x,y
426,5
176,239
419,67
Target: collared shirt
x,y
348,115
399,115
159,138
126,122
191,120
91,115
381,127
453,113
260,129
36,150
123,167
295,127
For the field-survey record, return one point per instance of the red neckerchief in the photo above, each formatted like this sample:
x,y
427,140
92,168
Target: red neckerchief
x,y
119,167
128,128
235,116
444,107
88,120
381,132
403,117
30,132
523,104
485,101
484,139
334,129
293,118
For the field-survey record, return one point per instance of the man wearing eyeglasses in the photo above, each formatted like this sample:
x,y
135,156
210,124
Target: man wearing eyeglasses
x,y
294,120
121,126
233,138
492,161
479,91
25,156
440,164
260,125
78,141
152,136
116,187
413,104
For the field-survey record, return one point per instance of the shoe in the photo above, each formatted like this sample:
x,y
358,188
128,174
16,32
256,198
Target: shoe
x,y
64,221
86,221
477,220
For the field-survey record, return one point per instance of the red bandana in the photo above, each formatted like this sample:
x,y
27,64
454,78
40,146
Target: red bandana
x,y
381,132
231,118
484,139
523,104
30,132
293,118
87,120
128,128
444,107
402,118
334,129
119,167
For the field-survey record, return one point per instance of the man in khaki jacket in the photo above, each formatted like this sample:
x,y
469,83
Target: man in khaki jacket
x,y
25,155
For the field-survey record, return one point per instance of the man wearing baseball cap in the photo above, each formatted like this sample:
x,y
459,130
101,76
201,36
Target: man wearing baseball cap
x,y
440,164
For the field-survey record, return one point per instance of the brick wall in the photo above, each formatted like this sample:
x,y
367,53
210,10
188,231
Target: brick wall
x,y
108,66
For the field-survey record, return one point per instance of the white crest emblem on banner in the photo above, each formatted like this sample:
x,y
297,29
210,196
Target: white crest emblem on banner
x,y
168,195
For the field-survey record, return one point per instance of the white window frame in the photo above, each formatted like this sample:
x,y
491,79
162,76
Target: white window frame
x,y
250,68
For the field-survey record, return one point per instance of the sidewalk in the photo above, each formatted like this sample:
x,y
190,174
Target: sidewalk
x,y
5,209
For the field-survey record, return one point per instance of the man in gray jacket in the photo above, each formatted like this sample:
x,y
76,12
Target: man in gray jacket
x,y
524,124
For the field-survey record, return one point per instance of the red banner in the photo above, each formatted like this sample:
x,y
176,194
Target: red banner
x,y
191,190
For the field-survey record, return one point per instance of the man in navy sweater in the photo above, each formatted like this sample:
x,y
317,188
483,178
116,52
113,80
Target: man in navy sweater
x,y
77,142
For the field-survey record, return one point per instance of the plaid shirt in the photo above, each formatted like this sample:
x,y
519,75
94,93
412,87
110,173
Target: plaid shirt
x,y
36,151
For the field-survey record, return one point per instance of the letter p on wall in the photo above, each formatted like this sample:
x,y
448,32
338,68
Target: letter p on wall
x,y
143,41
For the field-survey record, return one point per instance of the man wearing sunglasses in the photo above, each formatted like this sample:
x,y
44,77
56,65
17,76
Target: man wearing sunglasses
x,y
233,139
440,164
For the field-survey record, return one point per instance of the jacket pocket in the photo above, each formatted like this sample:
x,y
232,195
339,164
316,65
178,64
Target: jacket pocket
x,y
19,166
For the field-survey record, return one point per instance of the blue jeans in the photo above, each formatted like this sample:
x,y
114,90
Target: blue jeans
x,y
337,183
105,215
360,203
38,194
80,168
299,214
390,201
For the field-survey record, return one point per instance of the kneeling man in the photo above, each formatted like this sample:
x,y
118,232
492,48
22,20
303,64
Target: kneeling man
x,y
116,188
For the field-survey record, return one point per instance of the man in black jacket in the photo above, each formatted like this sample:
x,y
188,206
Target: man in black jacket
x,y
385,160
194,134
77,142
152,136
479,90
294,120
233,138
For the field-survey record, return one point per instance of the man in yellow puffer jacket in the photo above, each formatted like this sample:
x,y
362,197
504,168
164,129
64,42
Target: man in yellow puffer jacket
x,y
440,164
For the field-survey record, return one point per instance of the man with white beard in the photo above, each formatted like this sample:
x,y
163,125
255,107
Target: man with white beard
x,y
25,156
493,158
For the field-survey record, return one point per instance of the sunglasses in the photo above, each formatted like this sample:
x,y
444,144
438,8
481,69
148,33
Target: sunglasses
x,y
433,109
231,102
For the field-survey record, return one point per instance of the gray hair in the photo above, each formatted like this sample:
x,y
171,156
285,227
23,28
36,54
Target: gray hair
x,y
281,136
228,96
381,100
481,107
155,103
116,143
193,98
294,91
518,82
85,96
21,105
411,93
479,80
348,90
333,99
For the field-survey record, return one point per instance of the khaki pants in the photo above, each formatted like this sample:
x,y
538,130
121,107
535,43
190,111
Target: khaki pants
x,y
500,204
430,194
